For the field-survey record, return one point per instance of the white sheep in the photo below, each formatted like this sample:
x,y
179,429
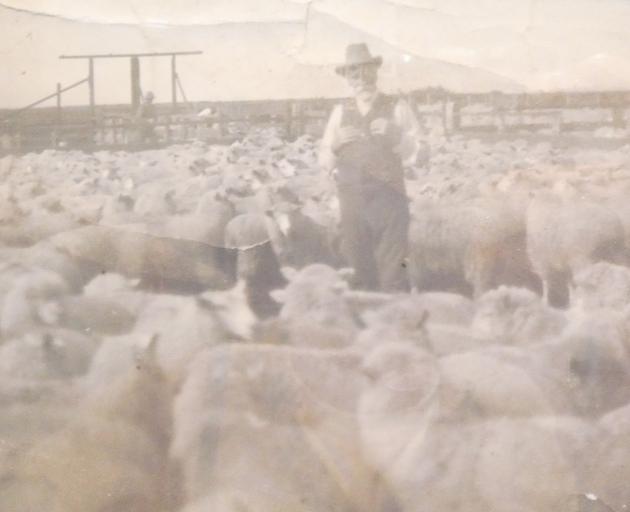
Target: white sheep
x,y
473,461
602,285
27,305
516,316
566,233
314,308
468,247
256,417
113,455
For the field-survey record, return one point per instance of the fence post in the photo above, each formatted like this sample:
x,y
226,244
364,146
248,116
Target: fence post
x,y
135,84
58,103
91,86
289,119
173,84
456,115
59,119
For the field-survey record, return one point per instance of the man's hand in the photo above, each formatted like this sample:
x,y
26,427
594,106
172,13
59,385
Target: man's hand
x,y
384,127
345,135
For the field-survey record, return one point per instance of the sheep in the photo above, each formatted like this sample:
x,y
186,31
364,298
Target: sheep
x,y
565,234
31,410
597,359
118,289
306,241
606,462
490,383
257,263
472,461
467,247
94,315
314,309
399,320
113,456
516,316
34,226
272,425
601,285
118,209
47,354
154,201
187,324
26,304
436,321
207,224
161,263
584,371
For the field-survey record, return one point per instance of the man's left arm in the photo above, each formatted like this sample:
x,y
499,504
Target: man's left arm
x,y
409,133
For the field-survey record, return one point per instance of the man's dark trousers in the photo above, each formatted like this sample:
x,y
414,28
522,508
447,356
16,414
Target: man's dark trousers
x,y
374,204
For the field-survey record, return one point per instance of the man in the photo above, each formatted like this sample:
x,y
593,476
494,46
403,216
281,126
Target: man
x,y
367,142
145,118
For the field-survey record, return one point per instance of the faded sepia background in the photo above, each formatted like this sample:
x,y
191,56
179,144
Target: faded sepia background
x,y
285,48
202,310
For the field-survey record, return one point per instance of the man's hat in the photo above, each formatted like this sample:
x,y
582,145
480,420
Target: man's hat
x,y
358,55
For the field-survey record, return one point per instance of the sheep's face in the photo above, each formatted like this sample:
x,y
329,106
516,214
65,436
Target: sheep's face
x,y
248,263
498,310
232,309
597,377
400,378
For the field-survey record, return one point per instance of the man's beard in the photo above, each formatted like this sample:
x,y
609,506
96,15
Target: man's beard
x,y
366,91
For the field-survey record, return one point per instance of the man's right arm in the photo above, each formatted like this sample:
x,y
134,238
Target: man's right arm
x,y
327,159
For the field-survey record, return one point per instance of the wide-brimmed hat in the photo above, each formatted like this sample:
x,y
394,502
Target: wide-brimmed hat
x,y
358,55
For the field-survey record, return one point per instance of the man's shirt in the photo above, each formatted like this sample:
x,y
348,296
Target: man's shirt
x,y
403,117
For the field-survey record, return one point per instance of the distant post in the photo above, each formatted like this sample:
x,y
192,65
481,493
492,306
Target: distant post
x,y
91,86
135,83
58,103
289,119
173,83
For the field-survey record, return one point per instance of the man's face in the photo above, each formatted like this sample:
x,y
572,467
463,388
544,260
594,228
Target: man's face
x,y
362,78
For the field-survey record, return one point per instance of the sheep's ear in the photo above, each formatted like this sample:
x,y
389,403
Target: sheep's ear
x,y
150,352
280,296
340,286
346,273
220,193
50,313
48,341
289,273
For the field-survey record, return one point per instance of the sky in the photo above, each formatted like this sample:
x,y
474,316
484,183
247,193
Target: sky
x,y
258,49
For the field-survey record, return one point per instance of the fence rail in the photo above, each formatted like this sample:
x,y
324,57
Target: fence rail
x,y
112,125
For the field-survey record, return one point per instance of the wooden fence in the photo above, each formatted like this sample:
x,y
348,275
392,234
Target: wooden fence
x,y
113,125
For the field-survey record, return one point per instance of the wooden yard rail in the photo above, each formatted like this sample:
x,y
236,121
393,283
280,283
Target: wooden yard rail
x,y
111,125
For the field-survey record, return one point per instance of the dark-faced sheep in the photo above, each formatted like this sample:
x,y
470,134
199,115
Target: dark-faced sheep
x,y
257,262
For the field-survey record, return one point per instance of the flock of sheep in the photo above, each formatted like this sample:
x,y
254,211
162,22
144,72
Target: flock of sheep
x,y
177,334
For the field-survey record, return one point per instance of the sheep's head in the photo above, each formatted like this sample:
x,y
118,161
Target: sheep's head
x,y
401,378
231,309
